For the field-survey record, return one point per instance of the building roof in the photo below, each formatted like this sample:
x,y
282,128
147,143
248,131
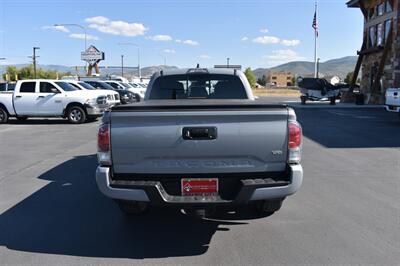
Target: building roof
x,y
353,3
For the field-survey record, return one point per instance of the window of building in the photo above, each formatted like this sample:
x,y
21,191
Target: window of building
x,y
28,87
380,9
388,6
388,24
289,78
274,78
372,36
380,34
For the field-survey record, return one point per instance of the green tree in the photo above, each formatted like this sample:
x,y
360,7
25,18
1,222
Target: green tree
x,y
11,71
262,81
349,77
250,77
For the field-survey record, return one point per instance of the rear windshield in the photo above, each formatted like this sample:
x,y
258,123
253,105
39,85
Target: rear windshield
x,y
66,86
200,86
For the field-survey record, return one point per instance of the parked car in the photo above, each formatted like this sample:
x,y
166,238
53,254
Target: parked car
x,y
128,96
393,100
199,141
126,86
125,95
111,96
50,98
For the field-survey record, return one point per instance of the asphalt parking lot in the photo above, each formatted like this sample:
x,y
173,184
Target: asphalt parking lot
x,y
347,212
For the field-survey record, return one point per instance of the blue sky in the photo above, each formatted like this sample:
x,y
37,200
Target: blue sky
x,y
251,33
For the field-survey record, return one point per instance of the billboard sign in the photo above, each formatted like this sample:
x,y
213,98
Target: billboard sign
x,y
92,55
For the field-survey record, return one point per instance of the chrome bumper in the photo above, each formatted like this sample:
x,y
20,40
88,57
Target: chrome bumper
x,y
103,182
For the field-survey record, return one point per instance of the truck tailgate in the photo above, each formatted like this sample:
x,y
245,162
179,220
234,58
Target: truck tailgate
x,y
150,138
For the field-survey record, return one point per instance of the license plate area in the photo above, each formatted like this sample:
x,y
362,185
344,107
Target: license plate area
x,y
199,186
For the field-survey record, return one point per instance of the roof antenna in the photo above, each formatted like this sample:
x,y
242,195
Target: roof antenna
x,y
198,65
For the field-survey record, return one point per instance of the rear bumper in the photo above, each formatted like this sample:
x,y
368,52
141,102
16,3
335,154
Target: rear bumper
x,y
393,108
152,191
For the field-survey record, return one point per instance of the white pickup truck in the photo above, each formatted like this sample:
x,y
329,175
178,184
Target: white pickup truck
x,y
393,100
50,98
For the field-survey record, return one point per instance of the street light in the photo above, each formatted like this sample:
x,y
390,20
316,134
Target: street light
x,y
138,55
74,25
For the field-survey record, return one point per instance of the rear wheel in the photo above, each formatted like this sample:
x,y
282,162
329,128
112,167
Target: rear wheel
x,y
132,207
3,116
76,115
332,100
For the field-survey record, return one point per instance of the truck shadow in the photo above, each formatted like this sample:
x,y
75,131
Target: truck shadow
x,y
351,128
42,121
69,216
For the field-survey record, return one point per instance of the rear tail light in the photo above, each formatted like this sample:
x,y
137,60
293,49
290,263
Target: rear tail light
x,y
295,142
103,145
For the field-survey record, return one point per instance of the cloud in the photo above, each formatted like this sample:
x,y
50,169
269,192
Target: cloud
x,y
264,30
160,38
244,39
100,20
283,56
56,28
204,56
82,36
187,42
266,40
116,27
290,42
169,51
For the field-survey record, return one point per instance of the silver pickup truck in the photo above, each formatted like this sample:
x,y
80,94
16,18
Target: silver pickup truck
x,y
199,141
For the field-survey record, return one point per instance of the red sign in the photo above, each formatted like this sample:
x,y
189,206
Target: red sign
x,y
199,187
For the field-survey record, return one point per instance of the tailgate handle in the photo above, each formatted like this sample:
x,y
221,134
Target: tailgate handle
x,y
199,133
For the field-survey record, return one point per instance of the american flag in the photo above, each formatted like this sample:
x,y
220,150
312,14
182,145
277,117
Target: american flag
x,y
315,23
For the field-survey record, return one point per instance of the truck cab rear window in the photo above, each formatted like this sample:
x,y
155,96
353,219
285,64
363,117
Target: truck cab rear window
x,y
198,86
28,87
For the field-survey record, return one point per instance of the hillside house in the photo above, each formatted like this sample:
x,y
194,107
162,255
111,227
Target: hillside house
x,y
378,58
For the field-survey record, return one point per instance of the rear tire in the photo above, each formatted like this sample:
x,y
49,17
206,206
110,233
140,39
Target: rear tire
x,y
3,116
132,207
332,100
303,100
76,115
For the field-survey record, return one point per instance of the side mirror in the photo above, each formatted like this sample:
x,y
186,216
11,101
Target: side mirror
x,y
54,90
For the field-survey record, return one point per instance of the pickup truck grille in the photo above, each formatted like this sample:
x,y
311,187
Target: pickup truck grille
x,y
229,184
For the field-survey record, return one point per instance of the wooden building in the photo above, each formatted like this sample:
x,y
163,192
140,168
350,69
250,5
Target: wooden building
x,y
378,58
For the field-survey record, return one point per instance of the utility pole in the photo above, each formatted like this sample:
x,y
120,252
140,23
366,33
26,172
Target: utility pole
x,y
138,55
122,65
2,58
318,67
227,62
34,60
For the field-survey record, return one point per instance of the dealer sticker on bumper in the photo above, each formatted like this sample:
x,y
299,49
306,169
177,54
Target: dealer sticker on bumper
x,y
199,187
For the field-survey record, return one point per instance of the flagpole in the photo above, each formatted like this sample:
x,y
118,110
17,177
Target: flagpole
x,y
316,43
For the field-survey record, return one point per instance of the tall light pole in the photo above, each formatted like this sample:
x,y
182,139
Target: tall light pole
x,y
74,25
227,62
34,60
122,65
138,55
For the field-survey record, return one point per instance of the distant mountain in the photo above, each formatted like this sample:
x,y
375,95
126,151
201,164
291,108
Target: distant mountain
x,y
338,67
